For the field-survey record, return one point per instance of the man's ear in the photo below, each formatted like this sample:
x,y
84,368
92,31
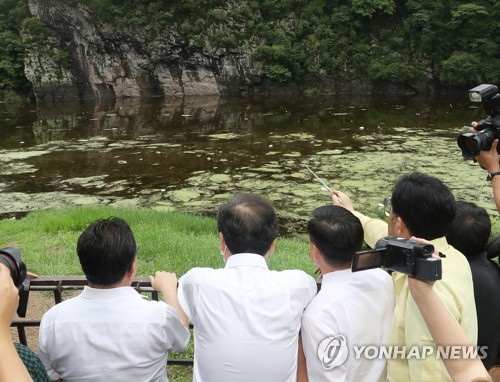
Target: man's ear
x,y
270,250
401,228
272,247
315,255
222,242
133,268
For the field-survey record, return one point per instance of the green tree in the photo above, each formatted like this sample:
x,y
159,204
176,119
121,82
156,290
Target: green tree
x,y
12,13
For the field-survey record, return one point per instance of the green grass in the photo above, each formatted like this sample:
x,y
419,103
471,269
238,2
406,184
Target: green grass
x,y
170,241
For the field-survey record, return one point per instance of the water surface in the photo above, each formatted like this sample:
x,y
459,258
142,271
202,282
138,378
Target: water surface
x,y
193,154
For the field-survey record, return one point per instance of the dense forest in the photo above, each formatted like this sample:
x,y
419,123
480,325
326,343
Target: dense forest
x,y
450,42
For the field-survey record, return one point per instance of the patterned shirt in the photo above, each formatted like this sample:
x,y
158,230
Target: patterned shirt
x,y
32,363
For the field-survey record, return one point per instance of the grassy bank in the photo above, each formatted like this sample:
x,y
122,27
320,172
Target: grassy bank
x,y
169,241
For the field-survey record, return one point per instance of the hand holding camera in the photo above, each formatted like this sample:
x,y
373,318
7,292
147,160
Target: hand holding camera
x,y
9,297
488,129
11,259
413,257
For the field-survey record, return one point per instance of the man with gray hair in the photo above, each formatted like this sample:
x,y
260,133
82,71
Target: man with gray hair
x,y
246,317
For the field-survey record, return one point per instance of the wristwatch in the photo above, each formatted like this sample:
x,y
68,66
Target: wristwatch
x,y
492,175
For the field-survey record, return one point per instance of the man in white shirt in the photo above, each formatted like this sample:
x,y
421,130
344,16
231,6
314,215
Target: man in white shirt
x,y
421,206
109,332
351,309
246,317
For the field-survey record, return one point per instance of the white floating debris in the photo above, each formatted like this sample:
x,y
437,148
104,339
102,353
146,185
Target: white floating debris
x,y
122,162
361,127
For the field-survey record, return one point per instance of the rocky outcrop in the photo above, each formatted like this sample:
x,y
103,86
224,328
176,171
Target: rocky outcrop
x,y
106,63
86,59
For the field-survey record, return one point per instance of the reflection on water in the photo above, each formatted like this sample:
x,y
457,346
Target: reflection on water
x,y
192,154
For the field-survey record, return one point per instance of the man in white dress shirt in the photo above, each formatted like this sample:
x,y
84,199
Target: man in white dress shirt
x,y
351,309
246,317
109,332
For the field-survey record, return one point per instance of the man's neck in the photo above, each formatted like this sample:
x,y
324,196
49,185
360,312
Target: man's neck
x,y
330,268
122,283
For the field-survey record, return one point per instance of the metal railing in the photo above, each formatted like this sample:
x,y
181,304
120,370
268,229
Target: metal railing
x,y
60,284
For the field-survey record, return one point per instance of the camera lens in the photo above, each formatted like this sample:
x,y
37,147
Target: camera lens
x,y
469,144
11,258
472,143
427,249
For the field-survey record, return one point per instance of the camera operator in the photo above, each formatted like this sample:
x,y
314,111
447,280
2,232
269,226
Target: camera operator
x,y
489,160
10,257
424,207
11,366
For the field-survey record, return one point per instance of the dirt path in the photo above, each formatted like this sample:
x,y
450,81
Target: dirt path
x,y
38,304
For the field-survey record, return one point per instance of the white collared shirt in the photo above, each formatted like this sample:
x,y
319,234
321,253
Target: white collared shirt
x,y
246,319
110,335
358,306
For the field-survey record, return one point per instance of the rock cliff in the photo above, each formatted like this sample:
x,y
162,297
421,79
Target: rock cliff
x,y
80,57
103,62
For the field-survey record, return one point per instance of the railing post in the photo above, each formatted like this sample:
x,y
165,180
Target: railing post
x,y
22,335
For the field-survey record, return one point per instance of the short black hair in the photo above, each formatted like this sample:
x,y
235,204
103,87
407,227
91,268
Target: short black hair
x,y
248,224
106,250
426,205
470,230
337,233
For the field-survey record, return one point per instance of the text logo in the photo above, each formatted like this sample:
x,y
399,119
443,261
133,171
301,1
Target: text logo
x,y
332,352
420,352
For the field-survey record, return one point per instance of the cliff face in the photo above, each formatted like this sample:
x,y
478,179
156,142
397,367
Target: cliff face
x,y
105,63
83,58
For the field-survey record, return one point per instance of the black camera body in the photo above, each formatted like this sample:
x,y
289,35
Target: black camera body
x,y
400,255
488,129
11,258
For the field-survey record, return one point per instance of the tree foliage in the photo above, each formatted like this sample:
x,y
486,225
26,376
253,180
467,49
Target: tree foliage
x,y
455,42
12,13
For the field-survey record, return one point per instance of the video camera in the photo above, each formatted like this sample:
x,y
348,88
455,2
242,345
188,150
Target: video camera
x,y
11,258
488,129
400,255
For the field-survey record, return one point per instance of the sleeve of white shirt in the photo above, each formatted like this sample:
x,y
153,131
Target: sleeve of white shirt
x,y
313,332
177,333
43,353
313,289
181,297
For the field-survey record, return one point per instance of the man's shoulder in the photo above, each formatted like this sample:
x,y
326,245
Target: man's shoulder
x,y
295,277
379,275
456,267
358,286
79,306
66,305
287,279
198,274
